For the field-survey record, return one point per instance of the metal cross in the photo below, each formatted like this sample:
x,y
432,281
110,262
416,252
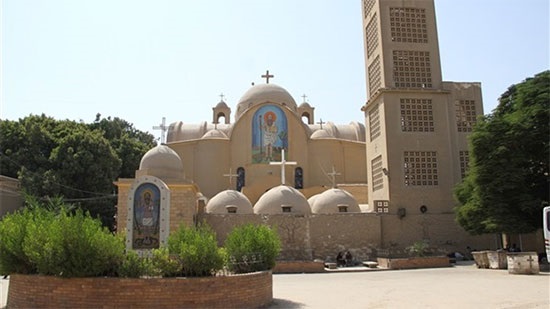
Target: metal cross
x,y
163,128
230,175
267,76
304,96
333,175
321,122
283,163
221,97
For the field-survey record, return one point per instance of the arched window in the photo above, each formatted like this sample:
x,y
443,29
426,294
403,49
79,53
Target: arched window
x,y
240,178
298,178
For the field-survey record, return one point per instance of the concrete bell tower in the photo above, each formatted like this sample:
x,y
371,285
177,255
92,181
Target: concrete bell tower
x,y
417,124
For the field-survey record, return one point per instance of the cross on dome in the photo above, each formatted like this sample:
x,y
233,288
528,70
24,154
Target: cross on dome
x,y
163,128
304,96
222,96
267,76
321,122
283,163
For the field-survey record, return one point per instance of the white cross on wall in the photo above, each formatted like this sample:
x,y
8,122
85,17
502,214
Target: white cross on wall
x,y
230,176
283,163
333,175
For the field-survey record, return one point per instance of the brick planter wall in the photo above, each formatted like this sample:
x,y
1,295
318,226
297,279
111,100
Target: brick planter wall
x,y
240,291
414,262
288,267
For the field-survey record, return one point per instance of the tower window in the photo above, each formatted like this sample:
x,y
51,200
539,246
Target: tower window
x,y
420,168
374,123
465,115
417,115
408,25
377,174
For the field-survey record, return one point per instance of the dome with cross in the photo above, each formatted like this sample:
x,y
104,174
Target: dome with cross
x,y
265,93
282,199
333,201
162,162
229,201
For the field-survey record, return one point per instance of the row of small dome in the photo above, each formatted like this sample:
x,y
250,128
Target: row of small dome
x,y
283,199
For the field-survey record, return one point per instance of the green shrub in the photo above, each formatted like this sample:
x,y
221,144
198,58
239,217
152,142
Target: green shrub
x,y
252,248
164,264
134,266
196,250
58,243
13,230
419,248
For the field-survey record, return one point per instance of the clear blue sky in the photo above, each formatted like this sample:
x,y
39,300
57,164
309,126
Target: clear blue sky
x,y
144,60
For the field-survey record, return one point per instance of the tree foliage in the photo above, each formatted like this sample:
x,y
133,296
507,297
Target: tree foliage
x,y
75,160
507,184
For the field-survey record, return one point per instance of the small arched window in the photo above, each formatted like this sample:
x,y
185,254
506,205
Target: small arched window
x,y
240,178
298,178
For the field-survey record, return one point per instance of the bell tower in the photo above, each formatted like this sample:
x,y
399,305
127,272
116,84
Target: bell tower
x,y
417,125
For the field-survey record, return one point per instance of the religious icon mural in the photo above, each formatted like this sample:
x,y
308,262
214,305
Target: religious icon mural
x,y
269,134
146,232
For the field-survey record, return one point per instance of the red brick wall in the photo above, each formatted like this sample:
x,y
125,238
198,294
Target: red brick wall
x,y
283,267
240,291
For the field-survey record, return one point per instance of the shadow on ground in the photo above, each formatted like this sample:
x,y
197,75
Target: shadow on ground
x,y
284,303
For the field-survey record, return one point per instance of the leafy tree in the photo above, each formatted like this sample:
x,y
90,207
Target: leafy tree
x,y
507,184
129,143
78,161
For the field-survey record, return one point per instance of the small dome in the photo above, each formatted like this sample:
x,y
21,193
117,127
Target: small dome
x,y
227,201
282,199
321,134
333,201
214,134
162,162
221,105
305,105
264,93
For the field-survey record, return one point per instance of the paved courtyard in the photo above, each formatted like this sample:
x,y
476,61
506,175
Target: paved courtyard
x,y
461,286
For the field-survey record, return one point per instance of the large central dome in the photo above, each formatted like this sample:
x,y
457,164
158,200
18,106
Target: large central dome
x,y
264,93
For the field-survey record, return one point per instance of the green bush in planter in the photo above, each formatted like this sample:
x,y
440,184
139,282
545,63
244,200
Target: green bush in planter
x,y
64,244
134,266
13,231
252,248
196,250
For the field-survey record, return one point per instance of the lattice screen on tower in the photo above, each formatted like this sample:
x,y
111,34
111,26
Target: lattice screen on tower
x,y
465,115
377,174
464,157
374,123
408,25
411,69
375,78
367,6
420,168
372,35
417,115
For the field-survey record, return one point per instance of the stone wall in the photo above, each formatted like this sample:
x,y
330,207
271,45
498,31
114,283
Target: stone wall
x,y
322,236
240,291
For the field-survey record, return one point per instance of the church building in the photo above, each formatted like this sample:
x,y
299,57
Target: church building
x,y
325,187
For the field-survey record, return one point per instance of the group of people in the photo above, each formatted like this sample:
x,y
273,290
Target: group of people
x,y
344,259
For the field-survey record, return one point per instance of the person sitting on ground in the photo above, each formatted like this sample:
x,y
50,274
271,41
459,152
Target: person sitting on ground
x,y
349,259
340,259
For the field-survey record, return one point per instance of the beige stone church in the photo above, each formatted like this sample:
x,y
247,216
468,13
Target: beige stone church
x,y
326,187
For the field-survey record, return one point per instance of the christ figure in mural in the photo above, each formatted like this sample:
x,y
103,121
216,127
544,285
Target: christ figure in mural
x,y
269,134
